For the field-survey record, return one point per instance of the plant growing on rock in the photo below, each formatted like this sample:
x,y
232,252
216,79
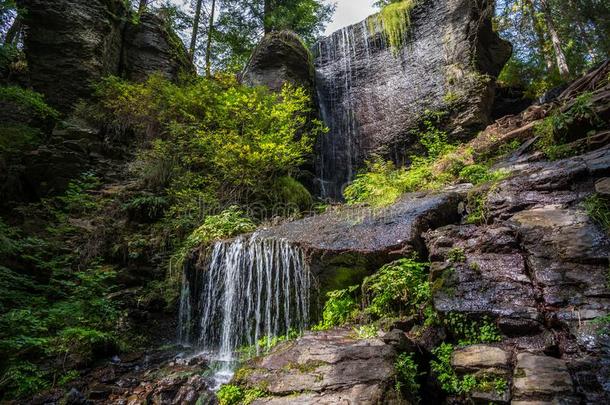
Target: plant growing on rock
x,y
340,308
407,374
397,289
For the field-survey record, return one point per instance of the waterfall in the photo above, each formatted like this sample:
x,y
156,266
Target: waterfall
x,y
339,60
248,288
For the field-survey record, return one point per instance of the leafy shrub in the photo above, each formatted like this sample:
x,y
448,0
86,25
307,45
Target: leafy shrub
x,y
477,174
247,137
28,100
230,394
407,375
393,20
366,331
230,222
340,308
469,332
399,288
292,195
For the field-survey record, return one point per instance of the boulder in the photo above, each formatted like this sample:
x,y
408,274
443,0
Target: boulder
x,y
448,61
344,246
325,368
542,378
151,46
71,44
281,57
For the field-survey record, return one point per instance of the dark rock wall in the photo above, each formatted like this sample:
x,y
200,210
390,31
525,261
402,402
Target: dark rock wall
x,y
371,96
69,44
149,47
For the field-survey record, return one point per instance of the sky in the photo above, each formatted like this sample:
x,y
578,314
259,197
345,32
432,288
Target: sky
x,y
349,12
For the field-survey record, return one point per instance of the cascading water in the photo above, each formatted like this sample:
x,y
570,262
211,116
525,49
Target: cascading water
x,y
249,288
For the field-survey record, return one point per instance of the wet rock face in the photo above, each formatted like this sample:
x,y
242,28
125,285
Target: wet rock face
x,y
343,247
325,368
70,44
489,279
362,85
280,58
151,47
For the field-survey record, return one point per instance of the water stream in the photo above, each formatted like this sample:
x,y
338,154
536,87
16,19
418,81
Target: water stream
x,y
248,288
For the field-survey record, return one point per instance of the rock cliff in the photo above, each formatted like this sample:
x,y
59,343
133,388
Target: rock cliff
x,y
70,45
448,62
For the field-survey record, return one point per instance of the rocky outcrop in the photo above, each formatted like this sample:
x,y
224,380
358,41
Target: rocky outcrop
x,y
325,368
158,377
70,45
151,46
281,57
448,62
344,246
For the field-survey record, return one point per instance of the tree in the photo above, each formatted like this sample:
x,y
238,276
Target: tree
x,y
242,23
562,64
208,51
195,30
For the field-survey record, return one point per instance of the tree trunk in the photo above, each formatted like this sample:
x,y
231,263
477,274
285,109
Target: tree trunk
x,y
208,50
562,64
13,32
539,35
268,9
584,35
196,28
142,6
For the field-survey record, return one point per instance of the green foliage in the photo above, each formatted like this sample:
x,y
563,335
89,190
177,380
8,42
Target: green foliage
x,y
53,304
407,375
220,141
468,332
598,210
16,138
452,384
29,101
366,331
456,255
292,195
228,223
77,198
340,308
477,174
393,20
554,130
230,394
397,289
265,344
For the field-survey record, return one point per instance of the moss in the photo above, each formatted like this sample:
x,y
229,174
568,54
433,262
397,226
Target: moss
x,y
292,194
343,271
18,137
393,21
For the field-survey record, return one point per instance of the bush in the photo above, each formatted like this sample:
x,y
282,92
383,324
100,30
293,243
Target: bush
x,y
397,289
340,308
28,101
235,140
407,375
